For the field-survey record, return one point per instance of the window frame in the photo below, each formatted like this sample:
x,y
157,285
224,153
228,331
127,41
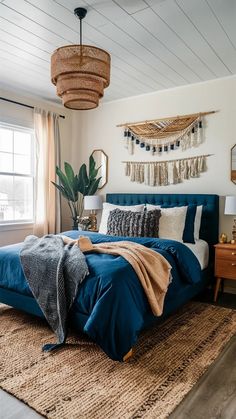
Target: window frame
x,y
21,223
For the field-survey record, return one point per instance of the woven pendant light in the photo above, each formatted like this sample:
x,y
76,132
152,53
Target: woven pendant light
x,y
80,72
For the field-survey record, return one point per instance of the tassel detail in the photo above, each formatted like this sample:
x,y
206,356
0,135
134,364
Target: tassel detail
x,y
167,172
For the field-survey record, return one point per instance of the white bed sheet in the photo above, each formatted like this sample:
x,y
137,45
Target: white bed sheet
x,y
201,251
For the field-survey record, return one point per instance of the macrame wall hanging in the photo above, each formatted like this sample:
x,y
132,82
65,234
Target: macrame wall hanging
x,y
163,173
163,135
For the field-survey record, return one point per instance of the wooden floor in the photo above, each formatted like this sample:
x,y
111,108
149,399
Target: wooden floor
x,y
213,397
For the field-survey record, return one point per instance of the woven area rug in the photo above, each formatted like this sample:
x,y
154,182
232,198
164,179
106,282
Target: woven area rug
x,y
81,382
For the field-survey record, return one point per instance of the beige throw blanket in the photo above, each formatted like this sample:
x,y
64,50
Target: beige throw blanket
x,y
152,269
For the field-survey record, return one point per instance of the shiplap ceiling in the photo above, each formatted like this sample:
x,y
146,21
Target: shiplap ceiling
x,y
154,44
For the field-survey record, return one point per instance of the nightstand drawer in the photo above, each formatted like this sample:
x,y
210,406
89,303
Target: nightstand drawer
x,y
229,254
225,268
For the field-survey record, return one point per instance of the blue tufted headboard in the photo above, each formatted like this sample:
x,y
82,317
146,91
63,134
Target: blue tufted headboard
x,y
209,230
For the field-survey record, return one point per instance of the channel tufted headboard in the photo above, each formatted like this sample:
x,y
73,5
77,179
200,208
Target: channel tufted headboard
x,y
210,216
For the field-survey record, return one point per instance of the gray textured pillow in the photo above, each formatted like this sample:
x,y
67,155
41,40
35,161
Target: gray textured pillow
x,y
133,224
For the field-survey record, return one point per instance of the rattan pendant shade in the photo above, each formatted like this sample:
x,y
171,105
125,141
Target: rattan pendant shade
x,y
80,72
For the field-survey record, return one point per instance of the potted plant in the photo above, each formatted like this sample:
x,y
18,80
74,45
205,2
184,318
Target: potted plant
x,y
74,187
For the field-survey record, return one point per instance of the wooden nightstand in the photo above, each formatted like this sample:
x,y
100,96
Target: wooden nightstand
x,y
225,264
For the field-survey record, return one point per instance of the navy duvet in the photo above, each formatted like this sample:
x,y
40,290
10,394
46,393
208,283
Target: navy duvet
x,y
111,306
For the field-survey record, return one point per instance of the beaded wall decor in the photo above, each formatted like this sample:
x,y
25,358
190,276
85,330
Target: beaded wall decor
x,y
162,135
163,173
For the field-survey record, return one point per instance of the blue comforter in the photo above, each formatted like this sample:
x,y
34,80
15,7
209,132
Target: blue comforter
x,y
111,306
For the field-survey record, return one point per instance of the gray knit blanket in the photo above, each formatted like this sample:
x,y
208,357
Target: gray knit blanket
x,y
53,271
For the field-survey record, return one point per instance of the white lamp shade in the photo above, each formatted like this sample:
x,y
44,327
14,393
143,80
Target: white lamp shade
x,y
92,202
230,205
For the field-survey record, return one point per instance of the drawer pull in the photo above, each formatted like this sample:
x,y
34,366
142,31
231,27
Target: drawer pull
x,y
233,253
233,264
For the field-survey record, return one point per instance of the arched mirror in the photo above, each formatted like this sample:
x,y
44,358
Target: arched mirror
x,y
101,160
233,163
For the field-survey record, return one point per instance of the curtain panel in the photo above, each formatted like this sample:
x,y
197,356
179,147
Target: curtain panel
x,y
47,197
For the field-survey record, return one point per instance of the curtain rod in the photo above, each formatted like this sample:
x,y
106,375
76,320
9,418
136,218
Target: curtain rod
x,y
23,104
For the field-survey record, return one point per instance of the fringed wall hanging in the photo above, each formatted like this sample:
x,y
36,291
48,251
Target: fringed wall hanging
x,y
163,173
162,135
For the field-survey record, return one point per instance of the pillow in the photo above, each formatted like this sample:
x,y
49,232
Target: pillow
x,y
188,233
109,207
197,223
133,224
172,222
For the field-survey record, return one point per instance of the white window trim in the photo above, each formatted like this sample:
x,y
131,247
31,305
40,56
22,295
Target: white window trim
x,y
16,226
19,224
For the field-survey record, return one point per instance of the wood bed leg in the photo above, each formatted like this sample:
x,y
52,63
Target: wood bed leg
x,y
128,355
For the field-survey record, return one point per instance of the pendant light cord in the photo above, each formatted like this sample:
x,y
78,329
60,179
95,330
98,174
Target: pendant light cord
x,y
80,30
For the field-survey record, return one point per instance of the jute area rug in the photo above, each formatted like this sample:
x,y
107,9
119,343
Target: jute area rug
x,y
81,382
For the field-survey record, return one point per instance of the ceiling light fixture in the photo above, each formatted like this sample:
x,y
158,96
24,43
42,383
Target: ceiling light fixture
x,y
80,72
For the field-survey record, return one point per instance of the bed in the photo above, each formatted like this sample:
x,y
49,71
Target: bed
x,y
111,307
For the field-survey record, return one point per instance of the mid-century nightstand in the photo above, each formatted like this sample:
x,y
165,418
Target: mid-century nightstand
x,y
225,264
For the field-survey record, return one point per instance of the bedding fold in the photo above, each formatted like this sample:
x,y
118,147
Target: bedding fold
x,y
151,268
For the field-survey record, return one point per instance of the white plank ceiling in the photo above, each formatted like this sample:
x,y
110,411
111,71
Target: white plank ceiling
x,y
154,44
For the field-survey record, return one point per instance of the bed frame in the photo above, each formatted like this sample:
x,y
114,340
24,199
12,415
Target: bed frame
x,y
208,232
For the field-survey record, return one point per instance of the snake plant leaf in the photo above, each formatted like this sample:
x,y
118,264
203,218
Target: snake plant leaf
x,y
92,165
66,184
93,186
94,173
61,189
72,179
69,172
83,179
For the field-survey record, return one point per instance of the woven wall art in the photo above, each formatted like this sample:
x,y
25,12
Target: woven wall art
x,y
163,173
163,135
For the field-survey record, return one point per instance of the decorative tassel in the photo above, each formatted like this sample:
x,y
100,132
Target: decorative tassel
x,y
167,172
131,146
191,136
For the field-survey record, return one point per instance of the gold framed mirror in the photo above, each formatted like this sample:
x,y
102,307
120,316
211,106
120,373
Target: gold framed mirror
x,y
101,160
233,163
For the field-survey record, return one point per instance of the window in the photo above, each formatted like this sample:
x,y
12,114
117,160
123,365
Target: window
x,y
16,174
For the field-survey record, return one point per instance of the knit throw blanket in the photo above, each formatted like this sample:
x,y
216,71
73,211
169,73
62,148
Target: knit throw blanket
x,y
152,269
53,271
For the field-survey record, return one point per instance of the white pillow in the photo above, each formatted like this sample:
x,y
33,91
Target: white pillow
x,y
197,222
107,208
172,222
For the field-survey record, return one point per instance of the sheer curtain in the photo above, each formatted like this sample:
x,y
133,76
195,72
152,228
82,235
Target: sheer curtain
x,y
47,198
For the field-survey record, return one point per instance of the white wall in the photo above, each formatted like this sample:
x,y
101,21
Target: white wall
x,y
97,129
19,115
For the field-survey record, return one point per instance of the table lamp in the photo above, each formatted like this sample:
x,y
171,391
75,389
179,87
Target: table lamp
x,y
230,209
93,203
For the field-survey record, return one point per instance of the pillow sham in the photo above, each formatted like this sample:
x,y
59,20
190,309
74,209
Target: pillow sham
x,y
172,222
107,208
197,223
188,233
133,224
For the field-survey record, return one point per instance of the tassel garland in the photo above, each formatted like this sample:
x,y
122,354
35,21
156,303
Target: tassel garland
x,y
166,172
192,136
